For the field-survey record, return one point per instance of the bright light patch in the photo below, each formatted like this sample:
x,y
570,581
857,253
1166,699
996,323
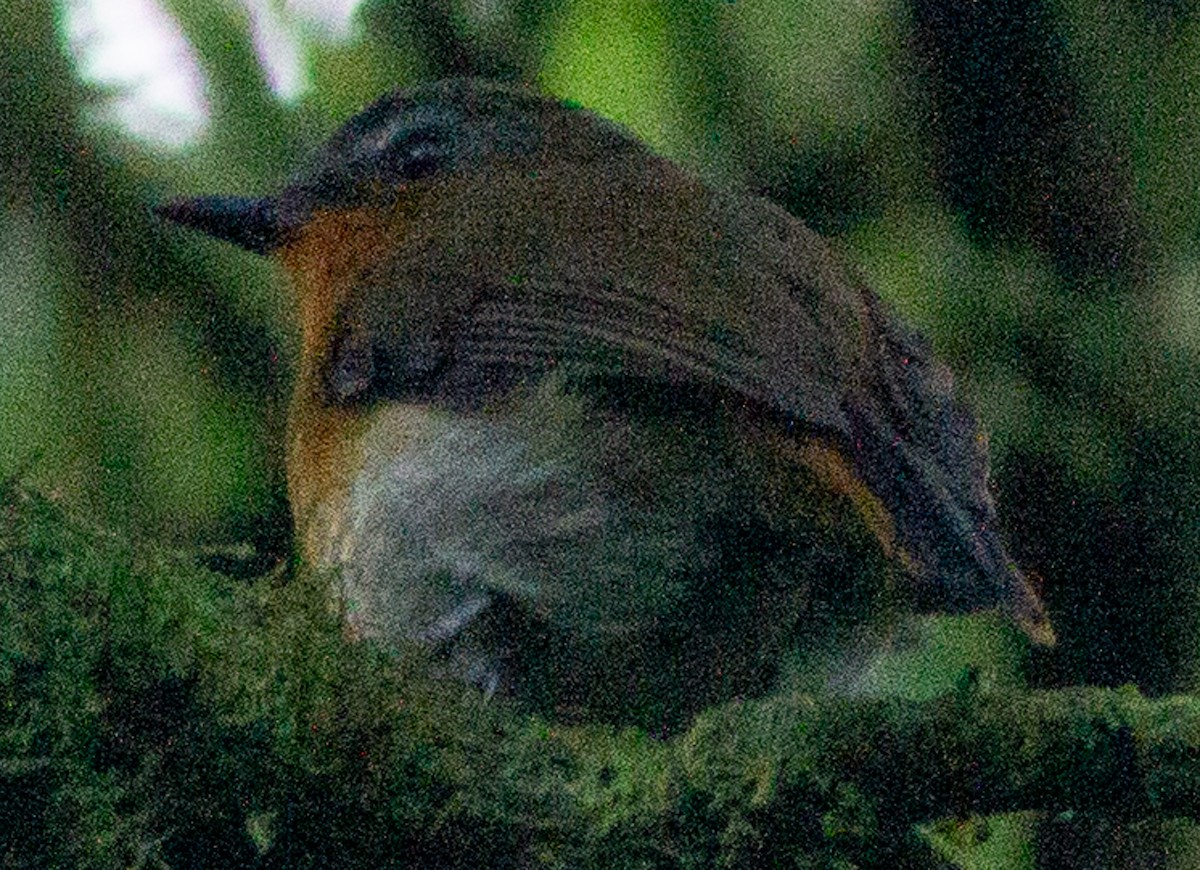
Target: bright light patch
x,y
136,50
280,34
278,42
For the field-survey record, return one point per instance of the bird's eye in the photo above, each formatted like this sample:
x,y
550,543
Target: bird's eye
x,y
424,158
418,154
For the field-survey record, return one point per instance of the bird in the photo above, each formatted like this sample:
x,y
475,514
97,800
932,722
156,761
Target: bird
x,y
593,434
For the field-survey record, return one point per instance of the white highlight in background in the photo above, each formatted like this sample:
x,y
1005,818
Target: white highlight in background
x,y
135,50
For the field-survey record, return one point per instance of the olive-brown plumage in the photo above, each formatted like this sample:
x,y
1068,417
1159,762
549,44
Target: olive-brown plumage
x,y
559,400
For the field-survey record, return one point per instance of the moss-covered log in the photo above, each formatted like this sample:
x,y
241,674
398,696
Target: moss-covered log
x,y
155,714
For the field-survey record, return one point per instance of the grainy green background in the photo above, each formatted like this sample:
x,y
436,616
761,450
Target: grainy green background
x,y
1019,178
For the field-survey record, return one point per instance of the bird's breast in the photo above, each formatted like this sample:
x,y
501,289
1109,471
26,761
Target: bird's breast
x,y
587,521
582,541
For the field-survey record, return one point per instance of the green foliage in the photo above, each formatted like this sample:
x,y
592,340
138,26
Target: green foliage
x,y
153,714
612,56
29,335
144,374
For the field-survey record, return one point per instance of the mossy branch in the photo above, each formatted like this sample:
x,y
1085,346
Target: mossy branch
x,y
155,714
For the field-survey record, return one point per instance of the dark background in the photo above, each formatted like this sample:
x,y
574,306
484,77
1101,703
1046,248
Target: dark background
x,y
1019,178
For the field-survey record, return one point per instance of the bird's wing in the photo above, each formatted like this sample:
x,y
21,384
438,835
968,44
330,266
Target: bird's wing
x,y
785,330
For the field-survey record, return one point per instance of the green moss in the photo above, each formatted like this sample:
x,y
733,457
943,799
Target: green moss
x,y
155,714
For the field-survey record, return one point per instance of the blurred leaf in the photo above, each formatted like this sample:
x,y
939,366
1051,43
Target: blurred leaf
x,y
194,450
1140,70
29,333
612,58
820,67
250,138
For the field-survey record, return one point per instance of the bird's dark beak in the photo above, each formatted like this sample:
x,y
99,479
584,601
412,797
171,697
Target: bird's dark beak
x,y
249,222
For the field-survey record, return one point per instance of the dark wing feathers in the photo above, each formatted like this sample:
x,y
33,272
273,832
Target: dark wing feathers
x,y
917,448
779,323
921,452
887,401
593,330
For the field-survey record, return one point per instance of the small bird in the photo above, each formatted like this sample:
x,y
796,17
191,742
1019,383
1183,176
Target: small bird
x,y
596,435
